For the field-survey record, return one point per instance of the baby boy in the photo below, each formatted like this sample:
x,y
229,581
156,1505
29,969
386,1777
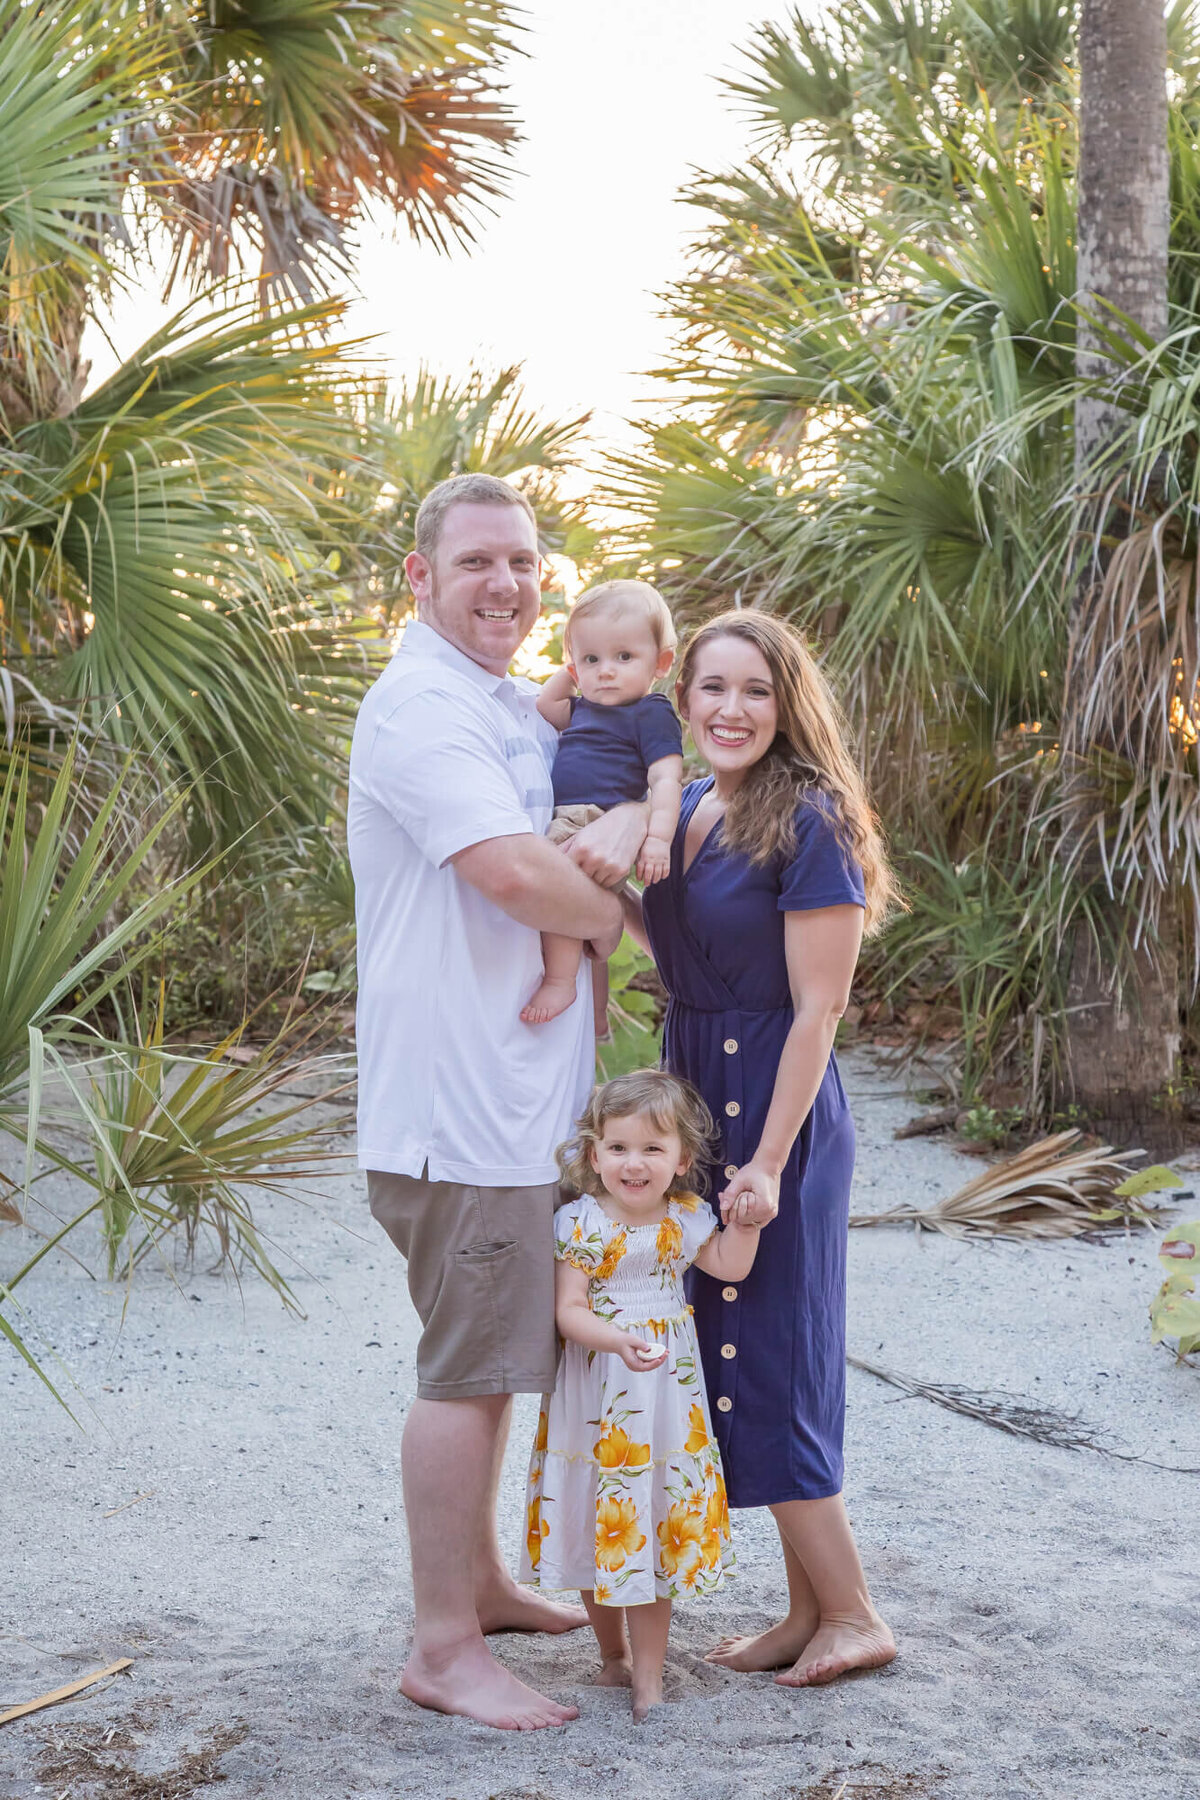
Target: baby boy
x,y
620,741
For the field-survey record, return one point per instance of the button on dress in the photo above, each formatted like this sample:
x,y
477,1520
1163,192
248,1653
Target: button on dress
x,y
774,1354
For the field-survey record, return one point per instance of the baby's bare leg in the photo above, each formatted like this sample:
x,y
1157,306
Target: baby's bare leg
x,y
648,1629
608,1623
560,963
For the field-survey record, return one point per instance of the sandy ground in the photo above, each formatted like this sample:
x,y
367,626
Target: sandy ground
x,y
1046,1602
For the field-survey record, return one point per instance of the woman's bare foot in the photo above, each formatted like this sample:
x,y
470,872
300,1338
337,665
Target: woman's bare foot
x,y
615,1671
515,1608
552,997
472,1683
776,1648
839,1645
647,1693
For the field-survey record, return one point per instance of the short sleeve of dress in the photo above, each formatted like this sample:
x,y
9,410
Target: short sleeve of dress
x,y
659,730
821,872
578,1239
697,1226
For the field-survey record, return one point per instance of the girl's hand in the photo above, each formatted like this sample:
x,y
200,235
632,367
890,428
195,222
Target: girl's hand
x,y
654,863
752,1197
640,1356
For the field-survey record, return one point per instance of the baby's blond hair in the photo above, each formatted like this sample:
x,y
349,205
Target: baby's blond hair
x,y
671,1103
624,596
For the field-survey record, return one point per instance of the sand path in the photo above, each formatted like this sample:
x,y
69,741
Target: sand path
x,y
1047,1603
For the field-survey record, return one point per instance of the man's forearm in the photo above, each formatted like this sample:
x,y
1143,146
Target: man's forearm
x,y
531,881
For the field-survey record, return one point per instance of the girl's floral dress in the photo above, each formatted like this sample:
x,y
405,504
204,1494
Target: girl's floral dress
x,y
625,1491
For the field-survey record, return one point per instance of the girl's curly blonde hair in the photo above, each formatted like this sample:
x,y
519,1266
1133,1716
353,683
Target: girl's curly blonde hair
x,y
672,1105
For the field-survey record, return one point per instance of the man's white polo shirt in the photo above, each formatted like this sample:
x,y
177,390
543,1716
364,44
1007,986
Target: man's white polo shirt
x,y
446,755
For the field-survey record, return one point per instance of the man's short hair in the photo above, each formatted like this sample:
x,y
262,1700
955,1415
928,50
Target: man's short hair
x,y
480,490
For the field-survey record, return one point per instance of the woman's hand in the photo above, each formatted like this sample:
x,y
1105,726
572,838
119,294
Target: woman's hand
x,y
640,1356
752,1197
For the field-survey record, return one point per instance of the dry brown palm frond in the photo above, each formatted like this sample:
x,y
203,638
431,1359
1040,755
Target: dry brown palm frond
x,y
1010,1413
1051,1189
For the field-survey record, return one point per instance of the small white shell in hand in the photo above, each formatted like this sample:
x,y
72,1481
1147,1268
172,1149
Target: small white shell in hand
x,y
651,1352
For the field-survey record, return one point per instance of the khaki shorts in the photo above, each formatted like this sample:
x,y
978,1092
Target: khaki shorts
x,y
481,1276
568,820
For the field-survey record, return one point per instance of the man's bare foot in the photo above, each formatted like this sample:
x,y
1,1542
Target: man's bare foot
x,y
516,1608
552,997
615,1671
473,1684
836,1647
646,1694
775,1648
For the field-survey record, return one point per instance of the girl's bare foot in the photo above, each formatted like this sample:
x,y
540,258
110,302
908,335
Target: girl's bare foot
x,y
776,1648
647,1693
839,1645
469,1681
552,997
615,1671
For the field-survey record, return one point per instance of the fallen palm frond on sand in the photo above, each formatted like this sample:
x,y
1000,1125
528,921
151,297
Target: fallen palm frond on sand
x,y
1055,1188
1007,1412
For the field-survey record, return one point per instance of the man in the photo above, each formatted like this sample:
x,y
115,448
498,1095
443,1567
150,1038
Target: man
x,y
460,1104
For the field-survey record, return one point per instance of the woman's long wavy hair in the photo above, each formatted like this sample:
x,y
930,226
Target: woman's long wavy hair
x,y
810,750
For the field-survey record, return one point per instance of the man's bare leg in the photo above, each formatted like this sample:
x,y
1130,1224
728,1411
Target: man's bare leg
x,y
780,1645
448,1458
851,1634
502,1604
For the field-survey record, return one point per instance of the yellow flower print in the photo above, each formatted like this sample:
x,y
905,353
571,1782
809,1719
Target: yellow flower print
x,y
716,1524
669,1242
543,1431
697,1437
617,1534
577,1234
602,1593
616,1450
679,1539
536,1530
611,1258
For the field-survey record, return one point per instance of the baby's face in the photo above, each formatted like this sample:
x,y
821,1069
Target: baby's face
x,y
615,659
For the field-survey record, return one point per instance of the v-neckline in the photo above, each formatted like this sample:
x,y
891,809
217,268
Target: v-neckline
x,y
685,868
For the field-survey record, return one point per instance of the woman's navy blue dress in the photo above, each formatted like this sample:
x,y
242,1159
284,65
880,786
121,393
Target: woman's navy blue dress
x,y
773,1345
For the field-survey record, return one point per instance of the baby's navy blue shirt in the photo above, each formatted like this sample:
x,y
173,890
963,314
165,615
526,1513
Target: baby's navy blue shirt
x,y
605,751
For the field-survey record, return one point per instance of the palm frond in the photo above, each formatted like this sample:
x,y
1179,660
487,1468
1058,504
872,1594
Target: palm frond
x,y
1054,1188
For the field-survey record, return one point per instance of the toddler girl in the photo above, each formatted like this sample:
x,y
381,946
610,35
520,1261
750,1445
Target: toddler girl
x,y
626,1499
619,740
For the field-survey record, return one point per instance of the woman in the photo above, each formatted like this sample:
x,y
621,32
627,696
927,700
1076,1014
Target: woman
x,y
776,866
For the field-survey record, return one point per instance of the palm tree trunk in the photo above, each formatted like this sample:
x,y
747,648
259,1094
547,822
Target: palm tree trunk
x,y
1122,1033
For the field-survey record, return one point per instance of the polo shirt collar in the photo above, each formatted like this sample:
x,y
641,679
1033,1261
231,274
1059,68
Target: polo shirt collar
x,y
422,640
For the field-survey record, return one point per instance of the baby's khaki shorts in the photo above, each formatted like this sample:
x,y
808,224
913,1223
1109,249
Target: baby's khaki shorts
x,y
481,1275
568,820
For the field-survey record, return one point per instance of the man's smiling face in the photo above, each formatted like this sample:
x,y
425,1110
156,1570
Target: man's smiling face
x,y
481,589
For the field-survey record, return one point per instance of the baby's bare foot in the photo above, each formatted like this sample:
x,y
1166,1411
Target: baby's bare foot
x,y
552,997
615,1671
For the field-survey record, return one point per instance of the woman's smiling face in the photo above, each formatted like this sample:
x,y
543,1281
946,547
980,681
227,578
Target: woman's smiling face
x,y
731,705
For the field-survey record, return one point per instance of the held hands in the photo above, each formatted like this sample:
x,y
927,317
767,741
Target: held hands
x,y
752,1197
654,863
640,1356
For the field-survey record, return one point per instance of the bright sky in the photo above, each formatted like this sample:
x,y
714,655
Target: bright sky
x,y
618,102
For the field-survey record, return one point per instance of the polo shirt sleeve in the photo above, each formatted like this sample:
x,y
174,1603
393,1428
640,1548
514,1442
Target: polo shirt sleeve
x,y
440,772
659,730
821,872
